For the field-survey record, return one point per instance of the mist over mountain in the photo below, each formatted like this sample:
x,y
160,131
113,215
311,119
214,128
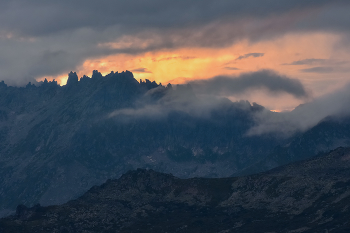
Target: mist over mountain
x,y
58,141
308,196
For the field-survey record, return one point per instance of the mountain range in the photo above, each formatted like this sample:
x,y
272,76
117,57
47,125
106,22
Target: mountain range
x,y
58,141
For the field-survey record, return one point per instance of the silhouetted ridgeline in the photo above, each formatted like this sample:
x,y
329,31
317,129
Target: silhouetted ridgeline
x,y
109,87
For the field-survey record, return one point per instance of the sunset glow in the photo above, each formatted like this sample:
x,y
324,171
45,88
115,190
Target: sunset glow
x,y
181,65
178,66
178,42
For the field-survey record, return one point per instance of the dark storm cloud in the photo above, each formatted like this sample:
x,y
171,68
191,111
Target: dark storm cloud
x,y
250,55
61,35
264,79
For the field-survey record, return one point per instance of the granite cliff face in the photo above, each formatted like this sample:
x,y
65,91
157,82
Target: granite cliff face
x,y
308,196
57,142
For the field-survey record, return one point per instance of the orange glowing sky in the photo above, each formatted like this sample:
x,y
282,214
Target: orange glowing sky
x,y
179,41
184,64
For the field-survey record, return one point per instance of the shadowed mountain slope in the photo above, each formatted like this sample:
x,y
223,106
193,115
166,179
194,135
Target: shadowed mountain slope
x,y
308,196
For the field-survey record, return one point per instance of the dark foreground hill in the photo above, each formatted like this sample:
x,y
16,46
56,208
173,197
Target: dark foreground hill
x,y
58,141
309,196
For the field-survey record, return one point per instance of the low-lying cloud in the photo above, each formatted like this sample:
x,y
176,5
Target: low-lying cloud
x,y
199,98
304,116
160,101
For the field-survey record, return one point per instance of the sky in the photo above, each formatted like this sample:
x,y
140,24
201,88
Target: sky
x,y
299,42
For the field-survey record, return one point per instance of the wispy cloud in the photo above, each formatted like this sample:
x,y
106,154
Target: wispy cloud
x,y
174,58
315,61
326,69
250,55
141,70
311,61
231,68
319,69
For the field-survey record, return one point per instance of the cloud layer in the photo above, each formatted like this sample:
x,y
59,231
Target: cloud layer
x,y
199,98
